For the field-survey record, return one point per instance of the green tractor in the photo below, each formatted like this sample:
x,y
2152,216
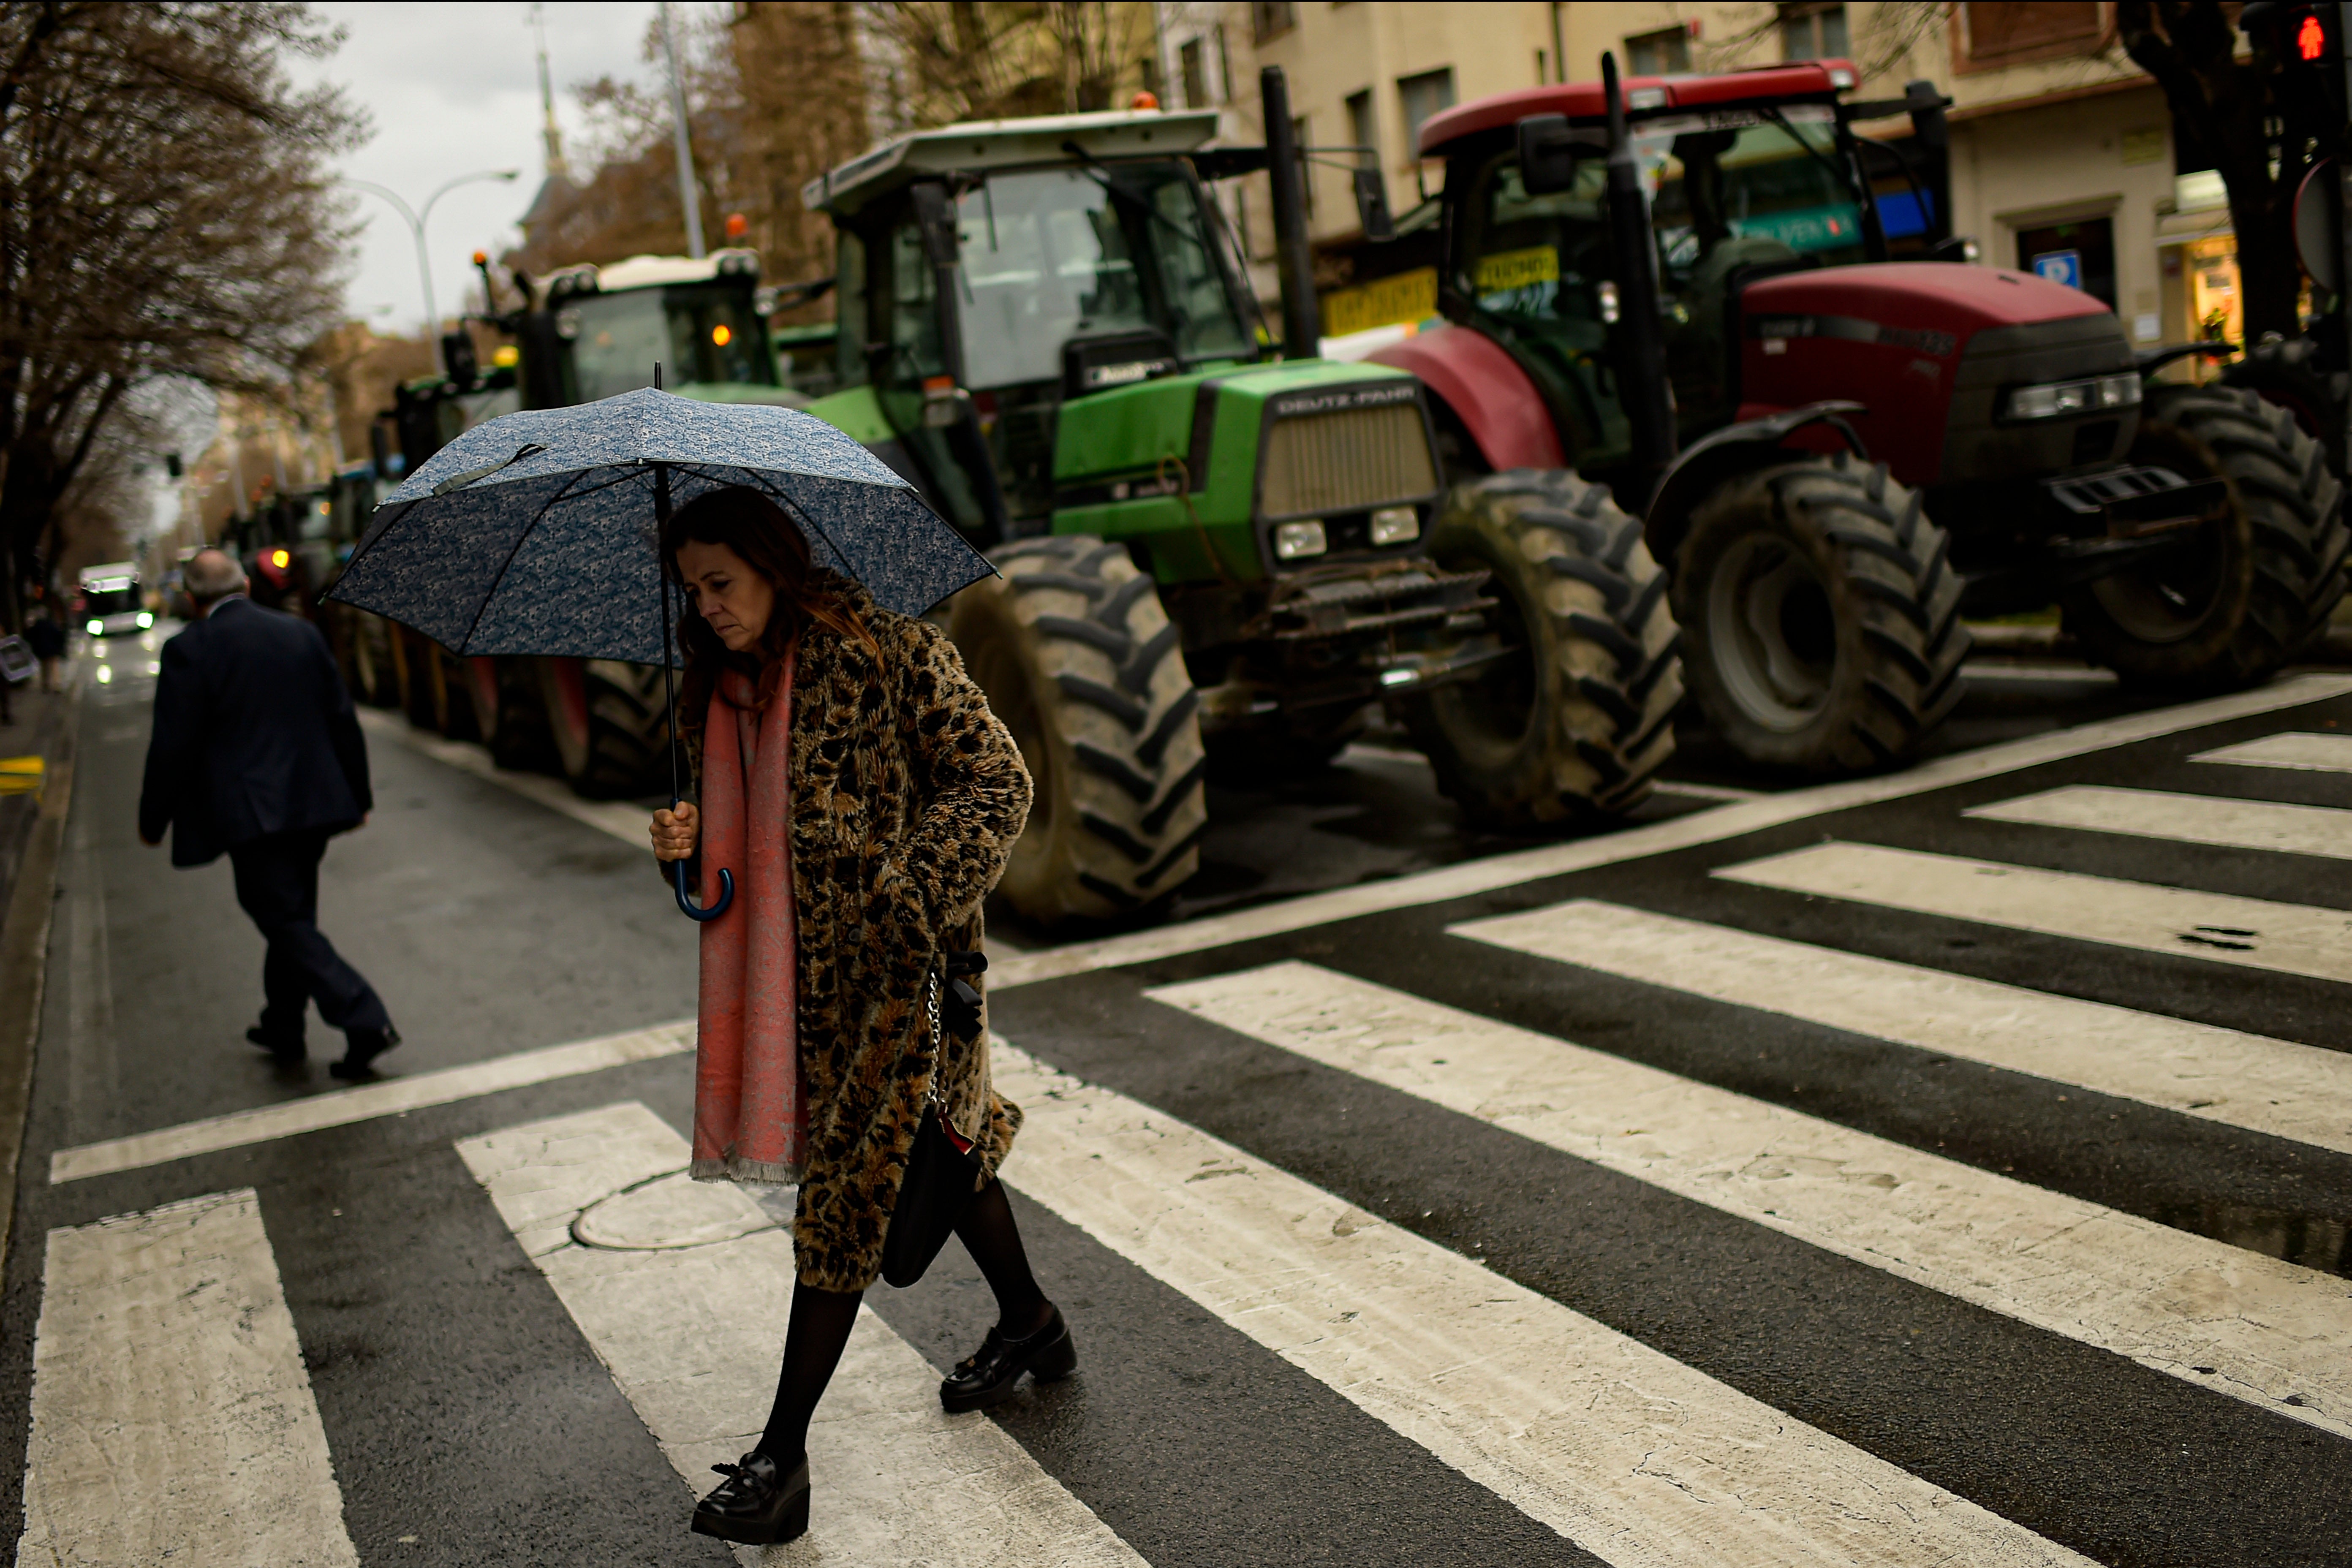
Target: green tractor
x,y
582,334
1210,552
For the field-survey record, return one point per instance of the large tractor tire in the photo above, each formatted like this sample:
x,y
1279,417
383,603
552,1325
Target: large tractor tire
x,y
1079,661
609,723
431,685
367,641
1571,725
2263,573
1821,616
505,697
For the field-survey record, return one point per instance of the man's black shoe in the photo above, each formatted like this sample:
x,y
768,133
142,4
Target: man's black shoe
x,y
987,1375
360,1049
285,1049
758,1504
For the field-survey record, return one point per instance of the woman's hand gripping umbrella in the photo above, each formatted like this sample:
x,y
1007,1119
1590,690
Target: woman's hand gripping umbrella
x,y
534,533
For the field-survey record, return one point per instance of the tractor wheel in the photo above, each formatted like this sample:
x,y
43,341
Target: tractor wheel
x,y
1823,615
422,674
505,698
608,721
1573,723
2262,574
370,637
1079,661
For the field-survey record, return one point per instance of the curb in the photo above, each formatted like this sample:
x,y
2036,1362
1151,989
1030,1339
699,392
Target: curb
x,y
24,955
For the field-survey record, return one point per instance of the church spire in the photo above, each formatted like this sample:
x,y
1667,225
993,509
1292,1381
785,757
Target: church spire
x,y
556,167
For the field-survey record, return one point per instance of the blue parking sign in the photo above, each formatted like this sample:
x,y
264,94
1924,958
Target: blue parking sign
x,y
2059,267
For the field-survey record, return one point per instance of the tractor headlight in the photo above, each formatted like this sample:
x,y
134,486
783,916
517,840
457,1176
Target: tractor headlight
x,y
1294,540
95,628
2057,399
1395,525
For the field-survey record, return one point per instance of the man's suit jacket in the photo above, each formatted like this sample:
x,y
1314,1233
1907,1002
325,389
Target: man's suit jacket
x,y
255,734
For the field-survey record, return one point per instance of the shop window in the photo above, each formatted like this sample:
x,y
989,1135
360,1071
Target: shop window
x,y
1424,95
2215,310
1663,53
2079,255
2013,32
1272,18
1192,65
1813,32
1364,130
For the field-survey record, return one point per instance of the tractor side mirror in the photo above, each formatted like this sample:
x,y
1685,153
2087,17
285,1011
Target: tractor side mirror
x,y
1372,207
1549,149
935,216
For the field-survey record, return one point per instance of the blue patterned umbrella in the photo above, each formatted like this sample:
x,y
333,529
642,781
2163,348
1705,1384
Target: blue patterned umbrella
x,y
533,533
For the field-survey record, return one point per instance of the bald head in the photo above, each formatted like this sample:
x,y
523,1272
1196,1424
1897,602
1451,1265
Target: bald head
x,y
211,575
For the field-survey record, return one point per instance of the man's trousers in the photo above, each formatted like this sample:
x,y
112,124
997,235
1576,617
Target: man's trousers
x,y
277,885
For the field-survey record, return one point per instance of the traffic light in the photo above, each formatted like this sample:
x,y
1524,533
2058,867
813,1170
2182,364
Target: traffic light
x,y
2306,39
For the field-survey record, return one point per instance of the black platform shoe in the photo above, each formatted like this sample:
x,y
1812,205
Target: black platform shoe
x,y
987,1375
360,1047
756,1504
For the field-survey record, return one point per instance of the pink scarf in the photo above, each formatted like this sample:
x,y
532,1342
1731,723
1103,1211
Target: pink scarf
x,y
751,1123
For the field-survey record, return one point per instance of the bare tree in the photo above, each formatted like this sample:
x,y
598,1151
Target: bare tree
x,y
2225,107
164,211
998,59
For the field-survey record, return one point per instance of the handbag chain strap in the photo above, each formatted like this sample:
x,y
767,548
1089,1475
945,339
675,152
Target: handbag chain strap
x,y
939,1100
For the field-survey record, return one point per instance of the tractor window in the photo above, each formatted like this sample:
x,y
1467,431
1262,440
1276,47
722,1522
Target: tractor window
x,y
1053,254
849,310
1538,269
697,334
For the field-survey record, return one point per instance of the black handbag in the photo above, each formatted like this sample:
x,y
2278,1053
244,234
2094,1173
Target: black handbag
x,y
943,1167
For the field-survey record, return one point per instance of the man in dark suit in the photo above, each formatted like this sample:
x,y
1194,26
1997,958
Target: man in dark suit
x,y
256,752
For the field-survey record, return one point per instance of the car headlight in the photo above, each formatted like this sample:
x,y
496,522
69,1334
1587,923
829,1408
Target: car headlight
x,y
146,620
1293,540
95,628
1395,525
2057,399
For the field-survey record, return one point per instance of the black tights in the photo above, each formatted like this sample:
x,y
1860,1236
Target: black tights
x,y
818,1329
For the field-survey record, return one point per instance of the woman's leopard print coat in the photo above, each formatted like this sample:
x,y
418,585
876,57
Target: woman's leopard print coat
x,y
907,796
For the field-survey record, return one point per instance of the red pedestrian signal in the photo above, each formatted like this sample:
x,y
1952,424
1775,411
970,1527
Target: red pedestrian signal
x,y
2311,39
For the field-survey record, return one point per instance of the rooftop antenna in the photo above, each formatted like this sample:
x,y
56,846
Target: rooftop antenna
x,y
557,168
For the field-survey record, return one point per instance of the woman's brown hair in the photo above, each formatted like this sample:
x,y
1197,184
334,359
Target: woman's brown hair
x,y
766,540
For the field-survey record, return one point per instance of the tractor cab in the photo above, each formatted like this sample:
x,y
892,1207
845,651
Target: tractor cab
x,y
595,332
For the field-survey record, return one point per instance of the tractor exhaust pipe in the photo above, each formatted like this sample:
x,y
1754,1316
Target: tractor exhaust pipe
x,y
1649,398
1302,313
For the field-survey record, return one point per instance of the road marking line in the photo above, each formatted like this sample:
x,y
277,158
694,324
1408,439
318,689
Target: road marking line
x,y
1637,1458
679,1288
2275,1087
340,1108
2304,750
2185,818
629,824
1475,877
2291,939
2169,1300
172,1418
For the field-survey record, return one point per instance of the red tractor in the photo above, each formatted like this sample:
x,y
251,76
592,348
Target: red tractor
x,y
1869,445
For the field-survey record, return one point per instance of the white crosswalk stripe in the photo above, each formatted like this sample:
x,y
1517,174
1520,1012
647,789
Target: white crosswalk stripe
x,y
2072,1268
2276,1087
2185,818
680,1288
2303,751
172,1417
1637,1458
2293,939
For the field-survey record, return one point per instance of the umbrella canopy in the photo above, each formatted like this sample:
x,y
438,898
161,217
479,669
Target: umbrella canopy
x,y
533,533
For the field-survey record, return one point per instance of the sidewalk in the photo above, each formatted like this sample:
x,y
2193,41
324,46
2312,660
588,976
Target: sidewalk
x,y
36,753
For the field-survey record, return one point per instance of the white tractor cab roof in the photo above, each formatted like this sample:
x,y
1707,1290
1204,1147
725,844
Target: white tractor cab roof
x,y
653,272
982,145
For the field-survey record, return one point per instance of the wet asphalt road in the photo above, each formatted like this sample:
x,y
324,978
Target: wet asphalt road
x,y
470,1421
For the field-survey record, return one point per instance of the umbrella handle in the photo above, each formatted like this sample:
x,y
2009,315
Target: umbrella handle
x,y
686,905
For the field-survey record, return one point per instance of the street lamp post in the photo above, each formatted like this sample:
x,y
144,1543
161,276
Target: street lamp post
x,y
416,222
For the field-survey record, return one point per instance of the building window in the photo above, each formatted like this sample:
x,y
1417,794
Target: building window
x,y
1224,68
1813,32
1192,64
1364,129
1272,18
1424,95
1663,53
2079,255
1991,35
1303,137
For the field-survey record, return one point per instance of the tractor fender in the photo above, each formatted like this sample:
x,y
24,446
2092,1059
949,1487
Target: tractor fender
x,y
1498,402
1735,449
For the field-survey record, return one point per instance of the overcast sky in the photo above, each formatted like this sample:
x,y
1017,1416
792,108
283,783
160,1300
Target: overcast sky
x,y
451,89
